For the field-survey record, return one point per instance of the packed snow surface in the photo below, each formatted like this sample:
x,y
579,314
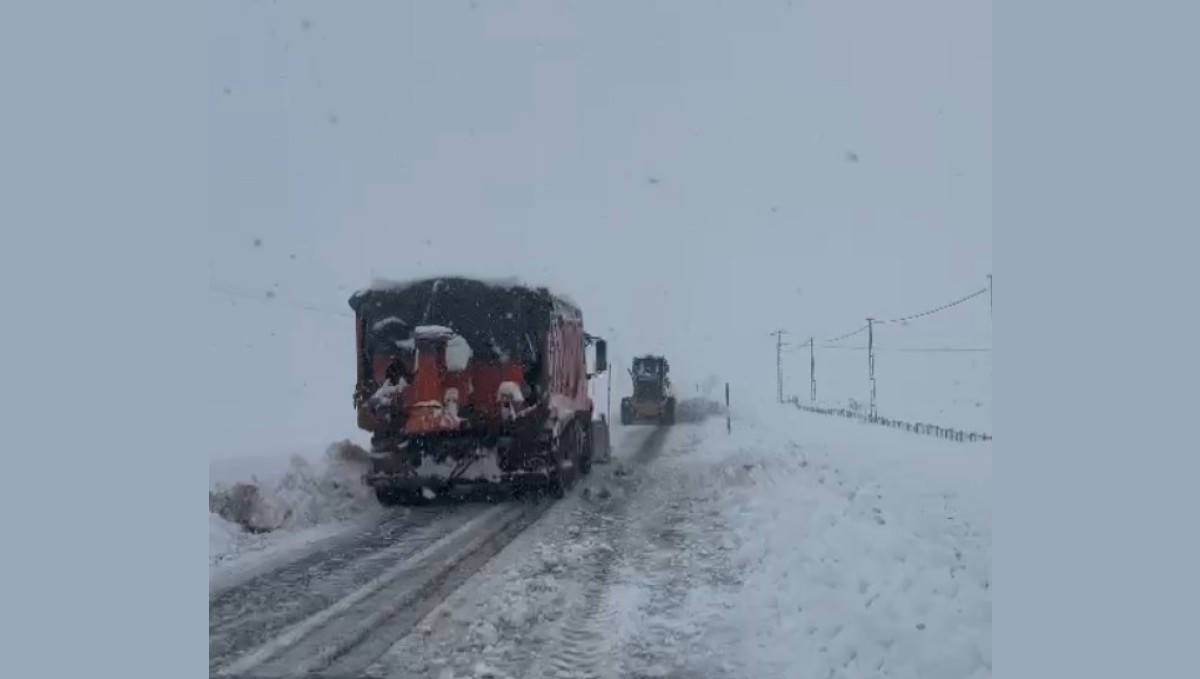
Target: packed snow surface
x,y
798,546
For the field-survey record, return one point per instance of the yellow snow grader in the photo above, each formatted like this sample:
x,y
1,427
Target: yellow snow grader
x,y
653,399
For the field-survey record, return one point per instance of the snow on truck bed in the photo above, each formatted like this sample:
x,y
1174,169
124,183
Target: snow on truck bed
x,y
798,546
386,284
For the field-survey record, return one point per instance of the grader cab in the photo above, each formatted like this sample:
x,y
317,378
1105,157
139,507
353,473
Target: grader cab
x,y
653,399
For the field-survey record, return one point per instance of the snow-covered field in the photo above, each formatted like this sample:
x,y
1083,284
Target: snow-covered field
x,y
865,552
949,389
798,546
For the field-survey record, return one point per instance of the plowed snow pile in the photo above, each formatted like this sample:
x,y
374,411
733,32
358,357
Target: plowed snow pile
x,y
303,501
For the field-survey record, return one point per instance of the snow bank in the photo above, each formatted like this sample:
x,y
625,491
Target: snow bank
x,y
696,409
222,538
256,513
862,552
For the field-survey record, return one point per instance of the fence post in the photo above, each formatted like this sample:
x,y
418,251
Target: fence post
x,y
728,422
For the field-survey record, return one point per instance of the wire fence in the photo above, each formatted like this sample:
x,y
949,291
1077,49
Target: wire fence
x,y
948,433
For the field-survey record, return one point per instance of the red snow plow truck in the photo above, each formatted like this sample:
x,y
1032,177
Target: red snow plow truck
x,y
470,383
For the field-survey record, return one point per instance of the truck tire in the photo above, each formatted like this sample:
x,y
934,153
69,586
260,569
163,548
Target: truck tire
x,y
587,449
387,497
669,412
626,412
567,447
391,497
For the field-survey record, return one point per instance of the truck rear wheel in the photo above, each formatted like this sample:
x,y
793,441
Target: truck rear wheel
x,y
386,497
568,448
391,497
395,497
587,449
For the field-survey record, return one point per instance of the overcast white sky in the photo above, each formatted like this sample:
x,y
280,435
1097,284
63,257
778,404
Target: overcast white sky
x,y
679,168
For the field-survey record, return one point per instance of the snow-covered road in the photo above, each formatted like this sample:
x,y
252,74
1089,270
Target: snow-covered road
x,y
248,614
798,546
336,605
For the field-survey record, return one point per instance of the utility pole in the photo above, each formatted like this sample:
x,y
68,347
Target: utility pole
x,y
812,371
989,294
871,362
779,362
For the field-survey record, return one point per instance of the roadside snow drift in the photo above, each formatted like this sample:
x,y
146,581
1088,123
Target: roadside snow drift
x,y
863,552
304,500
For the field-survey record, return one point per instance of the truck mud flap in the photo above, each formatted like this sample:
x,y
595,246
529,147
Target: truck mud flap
x,y
601,443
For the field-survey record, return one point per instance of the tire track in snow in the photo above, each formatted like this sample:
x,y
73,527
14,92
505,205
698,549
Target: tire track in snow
x,y
575,650
245,615
333,635
682,549
248,617
466,636
379,638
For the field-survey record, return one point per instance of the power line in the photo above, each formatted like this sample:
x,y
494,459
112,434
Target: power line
x,y
798,348
847,335
272,299
989,295
902,319
919,349
869,328
943,307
